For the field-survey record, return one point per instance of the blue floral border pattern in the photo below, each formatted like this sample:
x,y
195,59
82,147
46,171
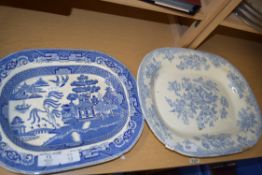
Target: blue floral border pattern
x,y
249,120
21,162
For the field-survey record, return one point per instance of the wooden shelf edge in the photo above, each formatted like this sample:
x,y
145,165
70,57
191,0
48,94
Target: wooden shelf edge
x,y
233,21
147,6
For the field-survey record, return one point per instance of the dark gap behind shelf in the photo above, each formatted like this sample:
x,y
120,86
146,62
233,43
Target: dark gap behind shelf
x,y
64,7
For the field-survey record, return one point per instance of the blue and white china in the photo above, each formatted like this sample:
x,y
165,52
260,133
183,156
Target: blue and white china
x,y
197,103
65,109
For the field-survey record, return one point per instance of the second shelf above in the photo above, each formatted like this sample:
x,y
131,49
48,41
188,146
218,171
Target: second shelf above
x,y
232,21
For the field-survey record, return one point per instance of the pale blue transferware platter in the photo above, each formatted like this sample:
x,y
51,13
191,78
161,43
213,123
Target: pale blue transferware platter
x,y
197,103
65,109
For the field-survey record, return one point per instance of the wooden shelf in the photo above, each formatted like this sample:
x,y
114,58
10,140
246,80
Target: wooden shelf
x,y
233,21
128,38
147,6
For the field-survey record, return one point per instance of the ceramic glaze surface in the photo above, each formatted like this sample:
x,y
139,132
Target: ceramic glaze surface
x,y
197,103
63,109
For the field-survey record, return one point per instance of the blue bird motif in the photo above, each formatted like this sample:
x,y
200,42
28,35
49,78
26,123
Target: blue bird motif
x,y
60,81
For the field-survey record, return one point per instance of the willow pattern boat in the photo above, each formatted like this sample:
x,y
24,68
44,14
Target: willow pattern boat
x,y
64,109
197,103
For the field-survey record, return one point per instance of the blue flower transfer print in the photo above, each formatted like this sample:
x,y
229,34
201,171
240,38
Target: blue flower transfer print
x,y
247,121
203,92
197,99
237,84
193,62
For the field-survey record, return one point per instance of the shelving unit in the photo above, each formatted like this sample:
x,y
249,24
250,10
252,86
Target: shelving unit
x,y
233,21
212,14
147,6
128,30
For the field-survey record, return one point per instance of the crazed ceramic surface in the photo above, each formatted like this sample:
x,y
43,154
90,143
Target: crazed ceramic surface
x,y
63,109
197,103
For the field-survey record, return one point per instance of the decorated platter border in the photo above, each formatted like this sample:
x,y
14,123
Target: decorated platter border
x,y
18,150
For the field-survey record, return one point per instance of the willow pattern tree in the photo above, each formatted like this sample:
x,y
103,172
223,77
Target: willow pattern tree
x,y
83,88
84,85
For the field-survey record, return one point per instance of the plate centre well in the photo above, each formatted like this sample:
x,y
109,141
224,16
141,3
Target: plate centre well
x,y
58,111
193,104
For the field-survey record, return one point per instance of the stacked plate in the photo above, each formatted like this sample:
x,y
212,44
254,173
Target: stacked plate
x,y
250,11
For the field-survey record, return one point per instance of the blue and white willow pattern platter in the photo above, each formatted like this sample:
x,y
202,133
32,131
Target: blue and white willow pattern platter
x,y
197,103
65,109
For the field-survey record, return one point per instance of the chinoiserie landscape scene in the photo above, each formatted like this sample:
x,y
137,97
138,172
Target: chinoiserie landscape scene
x,y
58,111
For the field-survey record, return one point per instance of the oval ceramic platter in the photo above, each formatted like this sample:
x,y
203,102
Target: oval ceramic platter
x,y
197,103
65,109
